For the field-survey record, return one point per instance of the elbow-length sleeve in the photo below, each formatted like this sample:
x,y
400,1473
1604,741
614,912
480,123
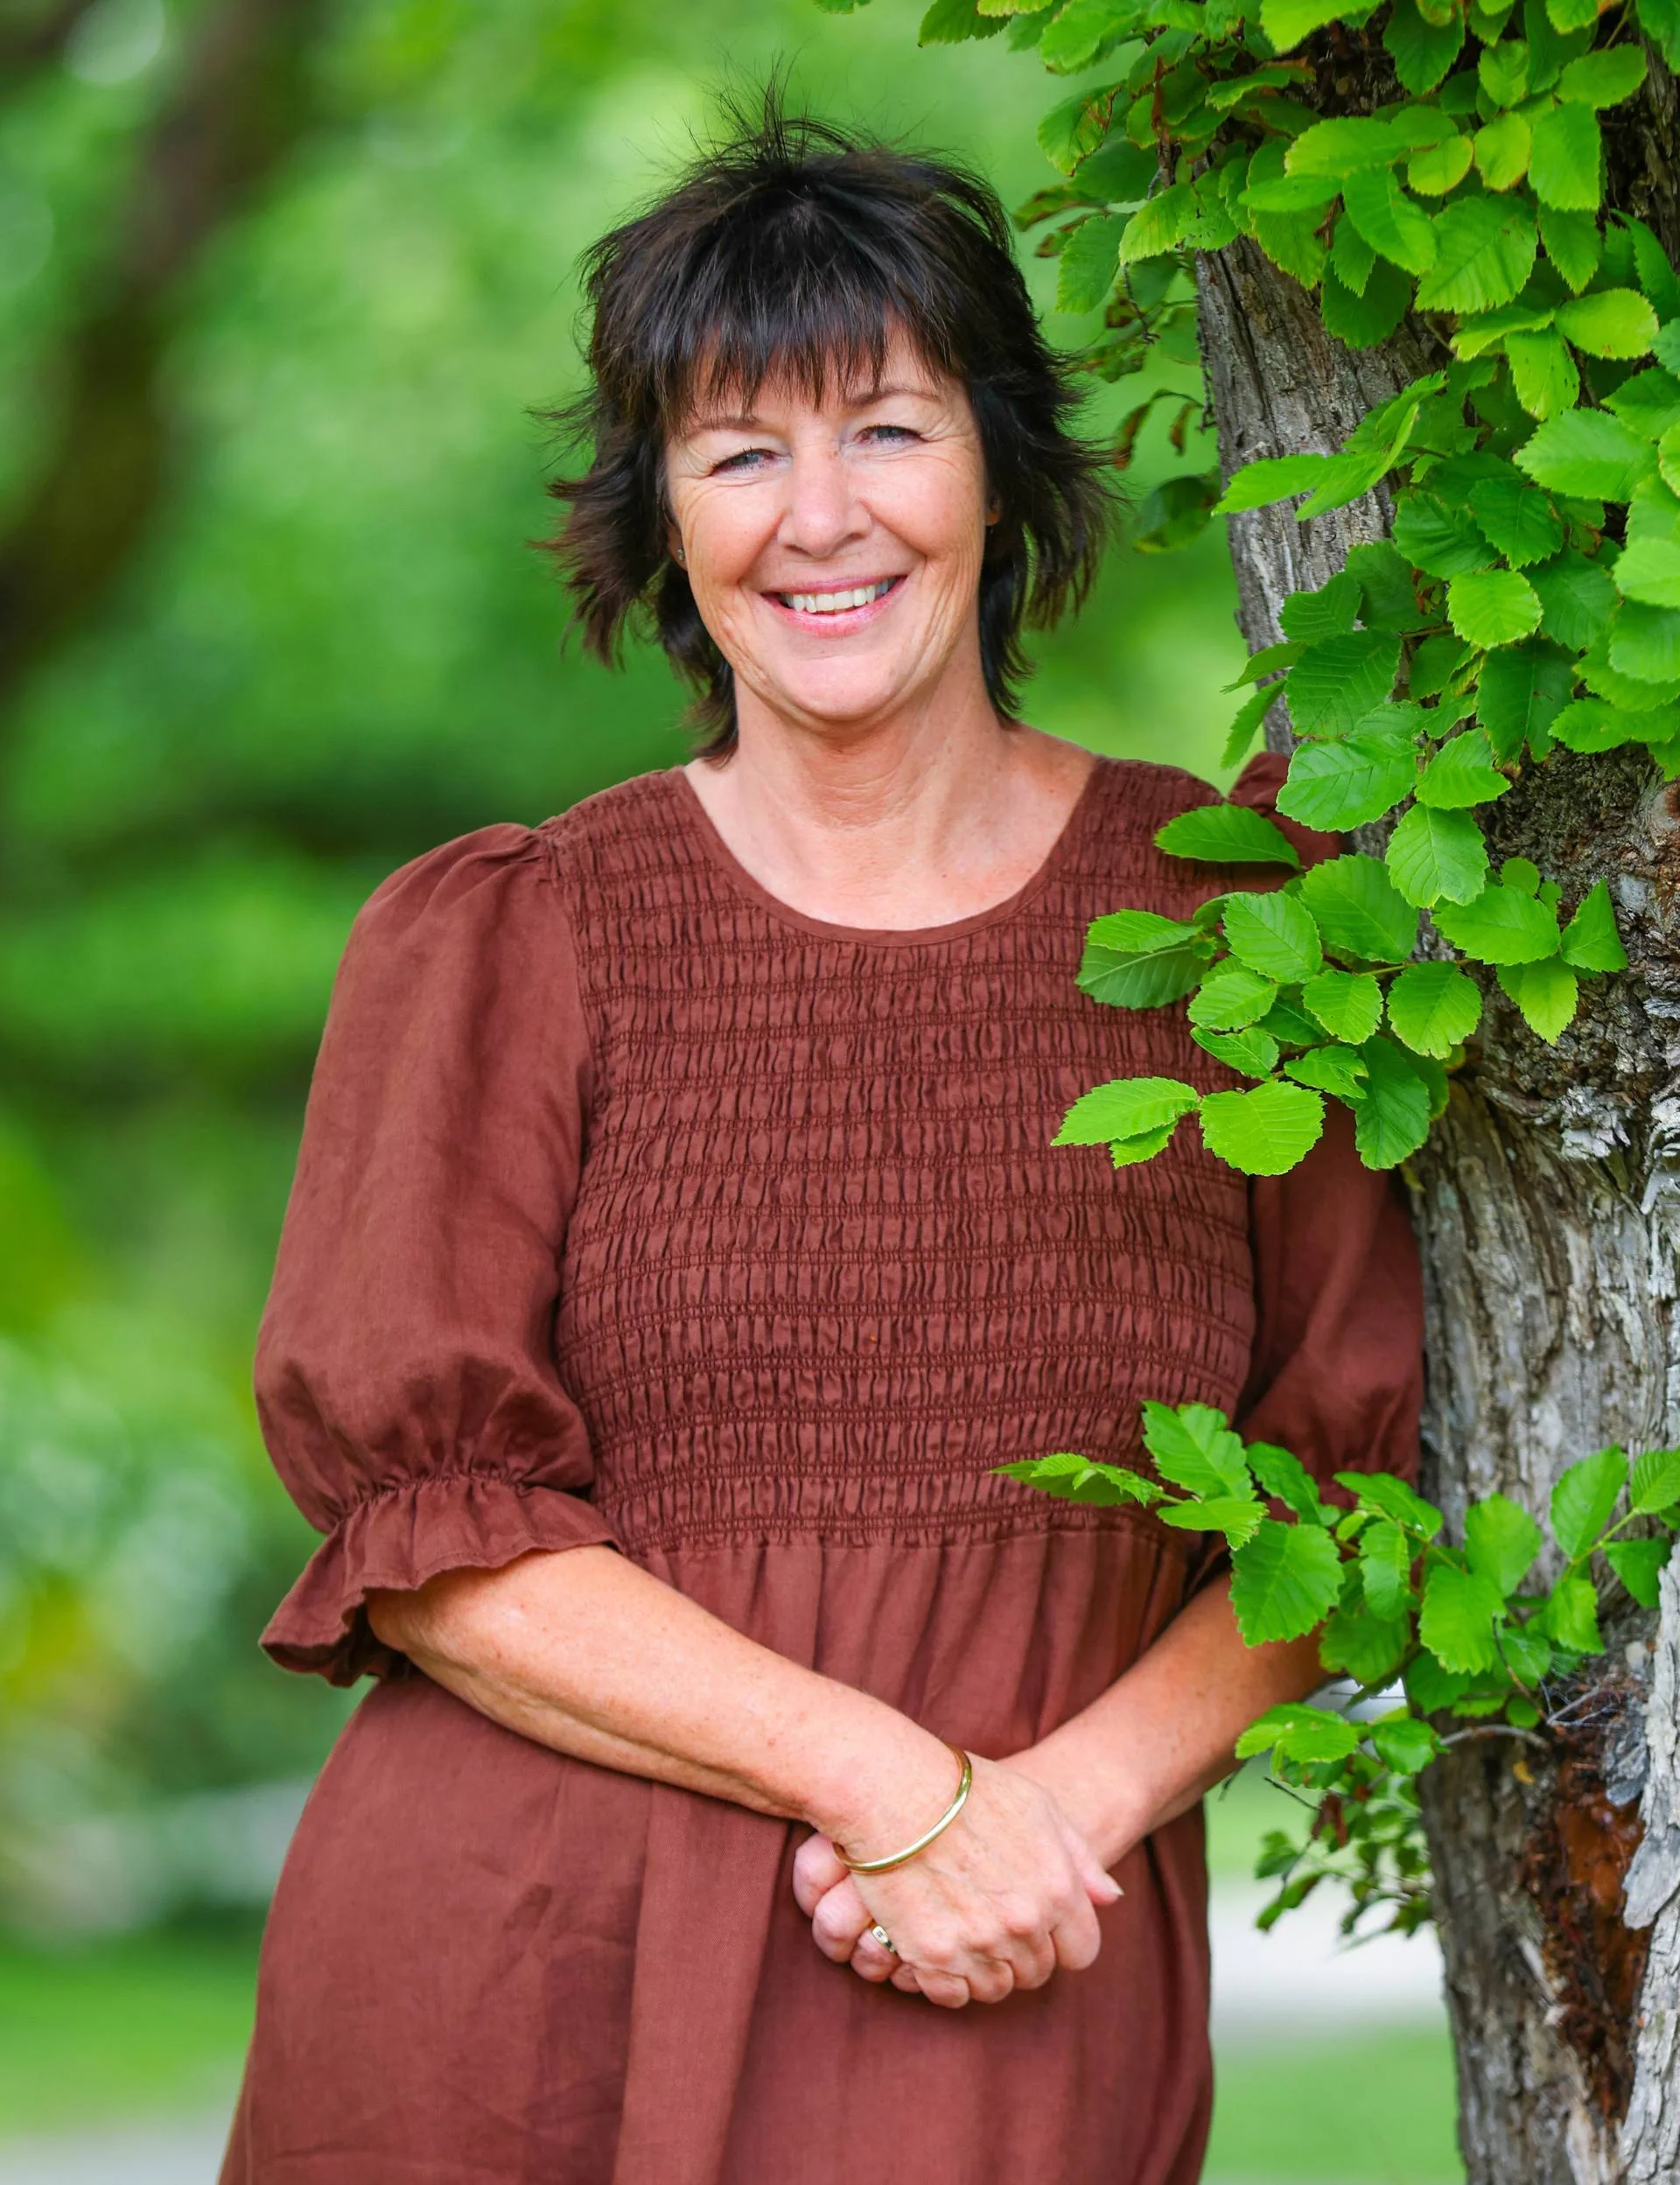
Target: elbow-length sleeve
x,y
1337,1370
405,1376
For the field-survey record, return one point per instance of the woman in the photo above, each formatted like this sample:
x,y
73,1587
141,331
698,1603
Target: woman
x,y
677,1250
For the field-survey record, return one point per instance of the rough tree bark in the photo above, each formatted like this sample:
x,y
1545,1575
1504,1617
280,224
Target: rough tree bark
x,y
1548,1209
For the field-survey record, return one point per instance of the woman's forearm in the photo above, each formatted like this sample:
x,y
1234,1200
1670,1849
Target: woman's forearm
x,y
1163,1732
583,1651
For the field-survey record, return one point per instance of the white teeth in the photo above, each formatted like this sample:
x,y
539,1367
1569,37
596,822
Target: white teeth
x,y
835,602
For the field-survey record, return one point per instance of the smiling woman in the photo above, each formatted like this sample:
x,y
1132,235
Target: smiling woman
x,y
676,1255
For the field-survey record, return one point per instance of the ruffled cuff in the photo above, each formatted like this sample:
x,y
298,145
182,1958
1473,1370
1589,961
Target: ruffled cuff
x,y
398,1540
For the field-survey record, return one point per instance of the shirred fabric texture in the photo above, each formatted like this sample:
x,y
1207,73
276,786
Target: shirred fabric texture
x,y
634,1207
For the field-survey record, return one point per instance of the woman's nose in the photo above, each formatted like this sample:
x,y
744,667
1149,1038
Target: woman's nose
x,y
823,512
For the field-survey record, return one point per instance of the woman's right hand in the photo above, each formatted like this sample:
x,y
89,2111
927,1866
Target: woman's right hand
x,y
998,1901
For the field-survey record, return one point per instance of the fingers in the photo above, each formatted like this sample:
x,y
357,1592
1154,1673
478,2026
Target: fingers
x,y
840,1923
1077,1939
817,1869
1100,1885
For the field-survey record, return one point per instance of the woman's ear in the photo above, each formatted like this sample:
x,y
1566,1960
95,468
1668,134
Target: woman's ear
x,y
674,546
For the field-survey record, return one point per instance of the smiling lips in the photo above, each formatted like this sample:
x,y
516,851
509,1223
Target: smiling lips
x,y
844,608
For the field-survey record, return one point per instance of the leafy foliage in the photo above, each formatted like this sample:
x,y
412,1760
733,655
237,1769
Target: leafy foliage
x,y
1428,1636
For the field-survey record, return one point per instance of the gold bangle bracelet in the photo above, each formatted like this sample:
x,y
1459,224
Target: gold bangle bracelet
x,y
965,1783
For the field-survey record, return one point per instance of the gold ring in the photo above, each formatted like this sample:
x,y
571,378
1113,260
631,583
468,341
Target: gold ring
x,y
880,1934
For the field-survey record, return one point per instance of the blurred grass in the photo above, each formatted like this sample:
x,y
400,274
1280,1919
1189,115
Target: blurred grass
x,y
1375,2108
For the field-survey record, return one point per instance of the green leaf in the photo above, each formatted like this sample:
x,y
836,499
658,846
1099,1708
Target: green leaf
x,y
1265,1131
1572,1615
1572,242
1501,1541
1655,1483
1611,322
1127,1152
1385,1560
1655,275
1502,147
1362,317
1606,78
1271,477
1437,662
1633,694
1437,854
1527,1652
1502,71
1158,226
1407,1745
1462,774
1253,1053
1125,1108
1328,610
1227,834
1434,1007
1273,935
1231,999
1349,783
1337,1069
1351,257
1544,373
1546,994
1591,943
1335,683
1237,1517
1393,1119
1576,599
1387,600
1077,1479
1283,1582
1347,1004
1368,1648
1358,911
1090,262
951,22
1381,212
1423,51
1438,537
1311,1735
1250,716
1441,167
1344,147
1640,1564
1287,22
1645,643
1281,1473
1648,402
1518,518
1373,445
1492,606
1075,128
1135,960
1484,253
1522,690
1459,1611
1649,571
1583,1501
1079,33
1392,1498
1500,926
1195,1449
1586,451
1567,162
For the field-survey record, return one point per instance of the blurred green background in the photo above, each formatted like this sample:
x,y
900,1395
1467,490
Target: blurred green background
x,y
271,339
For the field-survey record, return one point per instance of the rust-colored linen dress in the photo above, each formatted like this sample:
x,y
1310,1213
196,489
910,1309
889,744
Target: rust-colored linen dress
x,y
635,1207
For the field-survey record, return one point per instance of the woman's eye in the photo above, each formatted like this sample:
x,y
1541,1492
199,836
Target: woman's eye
x,y
748,459
889,435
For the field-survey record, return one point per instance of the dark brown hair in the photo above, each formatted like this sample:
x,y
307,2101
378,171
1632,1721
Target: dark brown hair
x,y
793,247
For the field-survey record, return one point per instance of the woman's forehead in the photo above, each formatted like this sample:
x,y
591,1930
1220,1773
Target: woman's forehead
x,y
835,382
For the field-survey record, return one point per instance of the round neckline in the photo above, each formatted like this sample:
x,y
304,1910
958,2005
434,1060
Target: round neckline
x,y
704,828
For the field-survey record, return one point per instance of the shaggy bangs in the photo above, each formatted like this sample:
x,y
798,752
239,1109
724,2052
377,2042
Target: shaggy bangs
x,y
795,251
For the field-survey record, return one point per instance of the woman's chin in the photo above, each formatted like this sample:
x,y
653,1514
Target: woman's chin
x,y
838,700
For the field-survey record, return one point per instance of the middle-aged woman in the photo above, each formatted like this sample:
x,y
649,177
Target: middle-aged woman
x,y
677,1249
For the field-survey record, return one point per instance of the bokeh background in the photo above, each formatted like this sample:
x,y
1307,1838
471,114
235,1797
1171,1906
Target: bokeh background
x,y
284,285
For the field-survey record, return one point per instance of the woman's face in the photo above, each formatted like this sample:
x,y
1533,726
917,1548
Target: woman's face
x,y
834,548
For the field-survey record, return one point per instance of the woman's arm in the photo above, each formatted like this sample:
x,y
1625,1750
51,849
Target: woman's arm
x,y
588,1654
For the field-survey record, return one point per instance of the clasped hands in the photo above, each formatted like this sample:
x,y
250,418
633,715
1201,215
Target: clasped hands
x,y
1005,1895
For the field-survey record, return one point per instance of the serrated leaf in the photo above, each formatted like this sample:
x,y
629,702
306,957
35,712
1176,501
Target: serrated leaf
x,y
1606,78
1438,538
1654,1481
1456,1623
1253,1052
1502,71
1127,1152
1523,688
1391,1497
1342,147
1407,1745
1571,1616
1492,606
1280,1473
1158,226
1438,168
1250,716
1583,1501
1125,1108
1074,1478
1648,402
1075,128
1437,855
1351,257
1592,942
1502,149
1335,683
1231,999
1432,1687
1434,1007
1128,977
1544,373
1611,322
1388,598
1358,911
952,21
1327,611
1227,834
1283,1582
1090,262
1566,160
1501,1541
1586,452
1369,1648
1273,935
1380,209
1271,477
1265,1131
1649,571
1237,1517
1501,926
1644,642
1350,782
1545,993
1392,1121
1194,1447
1640,1565
1517,517
1572,243
1576,599
1385,1560
1421,51
1338,1068
1347,1004
1484,253
1359,319
1312,1734
1461,774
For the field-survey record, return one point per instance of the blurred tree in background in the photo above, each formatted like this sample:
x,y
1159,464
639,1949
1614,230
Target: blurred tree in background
x,y
281,282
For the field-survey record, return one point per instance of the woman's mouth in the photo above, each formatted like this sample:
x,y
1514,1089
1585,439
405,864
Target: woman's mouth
x,y
841,606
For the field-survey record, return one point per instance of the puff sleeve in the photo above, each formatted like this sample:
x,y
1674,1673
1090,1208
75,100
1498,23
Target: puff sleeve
x,y
405,1376
1337,1370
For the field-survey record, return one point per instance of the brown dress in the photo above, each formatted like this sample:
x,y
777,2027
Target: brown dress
x,y
636,1206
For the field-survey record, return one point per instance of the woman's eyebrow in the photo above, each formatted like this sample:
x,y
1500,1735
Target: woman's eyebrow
x,y
747,421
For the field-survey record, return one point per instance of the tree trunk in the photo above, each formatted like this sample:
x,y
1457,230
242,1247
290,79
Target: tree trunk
x,y
1548,1210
